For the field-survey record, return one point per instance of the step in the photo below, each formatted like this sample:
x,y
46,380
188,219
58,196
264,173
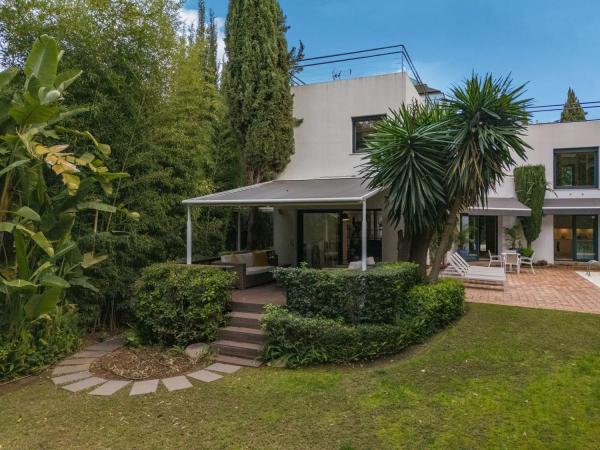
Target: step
x,y
245,319
242,334
237,361
248,307
240,349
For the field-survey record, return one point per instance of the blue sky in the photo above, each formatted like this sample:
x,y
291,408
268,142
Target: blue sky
x,y
549,43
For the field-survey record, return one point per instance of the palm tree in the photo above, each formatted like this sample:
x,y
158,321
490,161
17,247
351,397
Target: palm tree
x,y
435,162
488,118
407,156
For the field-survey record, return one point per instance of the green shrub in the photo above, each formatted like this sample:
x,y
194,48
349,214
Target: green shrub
x,y
298,340
374,296
175,304
42,342
526,251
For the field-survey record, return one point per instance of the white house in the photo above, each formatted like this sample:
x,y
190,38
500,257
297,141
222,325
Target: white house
x,y
324,214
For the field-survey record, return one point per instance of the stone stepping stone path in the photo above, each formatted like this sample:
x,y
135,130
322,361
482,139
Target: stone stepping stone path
x,y
73,374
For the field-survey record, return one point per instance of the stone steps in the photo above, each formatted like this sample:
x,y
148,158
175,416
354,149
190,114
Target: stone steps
x,y
226,359
242,334
245,319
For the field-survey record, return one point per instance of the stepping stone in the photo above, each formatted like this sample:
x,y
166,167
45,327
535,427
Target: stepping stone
x,y
69,378
89,354
108,346
176,383
84,384
110,387
61,370
144,387
224,368
205,375
75,361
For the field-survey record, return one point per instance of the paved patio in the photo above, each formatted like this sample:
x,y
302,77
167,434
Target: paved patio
x,y
549,288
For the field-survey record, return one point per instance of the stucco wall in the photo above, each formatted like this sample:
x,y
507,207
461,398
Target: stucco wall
x,y
323,141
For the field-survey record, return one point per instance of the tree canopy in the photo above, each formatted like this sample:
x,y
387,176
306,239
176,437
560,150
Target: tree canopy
x,y
572,110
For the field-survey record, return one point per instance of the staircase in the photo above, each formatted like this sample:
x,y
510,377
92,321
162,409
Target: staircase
x,y
241,342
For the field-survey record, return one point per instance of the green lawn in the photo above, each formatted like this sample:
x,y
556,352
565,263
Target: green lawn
x,y
501,377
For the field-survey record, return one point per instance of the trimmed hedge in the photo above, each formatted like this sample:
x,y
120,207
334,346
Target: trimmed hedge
x,y
297,340
176,304
374,296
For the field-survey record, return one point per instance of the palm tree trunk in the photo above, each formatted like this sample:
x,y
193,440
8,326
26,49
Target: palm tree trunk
x,y
418,250
449,228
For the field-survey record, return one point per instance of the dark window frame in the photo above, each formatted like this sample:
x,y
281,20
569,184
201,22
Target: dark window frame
x,y
361,119
562,151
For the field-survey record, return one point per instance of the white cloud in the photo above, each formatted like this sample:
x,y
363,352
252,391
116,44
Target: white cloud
x,y
188,17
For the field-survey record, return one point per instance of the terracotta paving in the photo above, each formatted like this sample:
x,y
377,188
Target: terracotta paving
x,y
548,288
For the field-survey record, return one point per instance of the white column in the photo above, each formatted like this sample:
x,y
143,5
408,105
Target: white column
x,y
364,236
189,237
238,245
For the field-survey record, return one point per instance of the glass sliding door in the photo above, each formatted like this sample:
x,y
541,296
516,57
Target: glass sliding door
x,y
575,238
330,238
480,236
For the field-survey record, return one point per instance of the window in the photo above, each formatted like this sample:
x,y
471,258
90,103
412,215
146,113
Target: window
x,y
361,128
576,168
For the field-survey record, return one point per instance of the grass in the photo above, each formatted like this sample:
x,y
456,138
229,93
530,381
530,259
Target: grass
x,y
501,377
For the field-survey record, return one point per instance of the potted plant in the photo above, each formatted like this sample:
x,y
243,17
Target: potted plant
x,y
512,236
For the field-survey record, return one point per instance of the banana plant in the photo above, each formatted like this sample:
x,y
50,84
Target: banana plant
x,y
44,184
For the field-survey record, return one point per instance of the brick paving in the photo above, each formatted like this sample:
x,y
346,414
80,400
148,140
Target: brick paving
x,y
549,288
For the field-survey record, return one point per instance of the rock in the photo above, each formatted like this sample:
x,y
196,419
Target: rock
x,y
196,351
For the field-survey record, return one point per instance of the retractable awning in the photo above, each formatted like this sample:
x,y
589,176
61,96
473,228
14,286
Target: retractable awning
x,y
292,192
501,206
553,206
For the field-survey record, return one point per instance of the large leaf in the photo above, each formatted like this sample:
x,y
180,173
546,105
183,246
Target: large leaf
x,y
43,243
42,61
21,256
84,283
7,227
89,260
19,284
52,280
31,112
27,213
7,75
97,206
66,78
43,303
45,266
13,166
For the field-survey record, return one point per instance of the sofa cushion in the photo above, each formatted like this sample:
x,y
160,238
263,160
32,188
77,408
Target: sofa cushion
x,y
246,258
258,269
230,258
260,258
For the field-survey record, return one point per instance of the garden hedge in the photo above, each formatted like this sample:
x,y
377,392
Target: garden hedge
x,y
176,304
374,296
297,340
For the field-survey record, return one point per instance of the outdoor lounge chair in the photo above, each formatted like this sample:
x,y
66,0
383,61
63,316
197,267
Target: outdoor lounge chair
x,y
459,268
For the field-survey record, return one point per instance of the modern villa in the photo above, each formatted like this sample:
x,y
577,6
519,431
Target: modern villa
x,y
325,215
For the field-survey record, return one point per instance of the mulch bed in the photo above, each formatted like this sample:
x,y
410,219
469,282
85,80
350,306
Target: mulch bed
x,y
140,363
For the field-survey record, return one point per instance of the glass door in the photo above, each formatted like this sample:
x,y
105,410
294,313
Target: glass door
x,y
575,238
478,236
320,238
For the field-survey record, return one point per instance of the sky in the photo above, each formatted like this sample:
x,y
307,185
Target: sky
x,y
549,44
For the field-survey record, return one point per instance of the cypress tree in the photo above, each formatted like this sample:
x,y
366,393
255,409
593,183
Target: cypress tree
x,y
531,186
201,30
212,43
572,110
256,83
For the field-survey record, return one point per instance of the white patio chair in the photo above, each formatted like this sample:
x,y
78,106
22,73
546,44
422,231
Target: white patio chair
x,y
527,260
512,259
495,259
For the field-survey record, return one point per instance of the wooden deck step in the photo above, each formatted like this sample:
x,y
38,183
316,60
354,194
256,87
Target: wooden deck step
x,y
237,361
245,306
248,350
242,334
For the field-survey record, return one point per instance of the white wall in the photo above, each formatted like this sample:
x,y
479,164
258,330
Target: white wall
x,y
323,141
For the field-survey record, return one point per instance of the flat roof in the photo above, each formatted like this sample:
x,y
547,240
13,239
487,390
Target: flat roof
x,y
553,206
289,192
501,206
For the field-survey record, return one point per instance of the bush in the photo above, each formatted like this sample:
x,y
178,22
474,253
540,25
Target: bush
x,y
175,304
374,296
297,340
41,342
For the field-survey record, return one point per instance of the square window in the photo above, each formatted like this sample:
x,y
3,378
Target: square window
x,y
361,128
576,168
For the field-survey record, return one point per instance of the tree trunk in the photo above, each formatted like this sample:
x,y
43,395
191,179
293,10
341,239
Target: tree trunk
x,y
403,247
445,238
418,250
251,236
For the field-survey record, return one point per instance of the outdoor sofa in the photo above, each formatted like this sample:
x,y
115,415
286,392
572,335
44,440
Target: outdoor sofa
x,y
252,268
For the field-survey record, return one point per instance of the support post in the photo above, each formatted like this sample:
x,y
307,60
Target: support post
x,y
188,259
238,244
364,236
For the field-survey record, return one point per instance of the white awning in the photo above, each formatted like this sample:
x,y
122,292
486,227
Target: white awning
x,y
554,206
501,206
292,192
